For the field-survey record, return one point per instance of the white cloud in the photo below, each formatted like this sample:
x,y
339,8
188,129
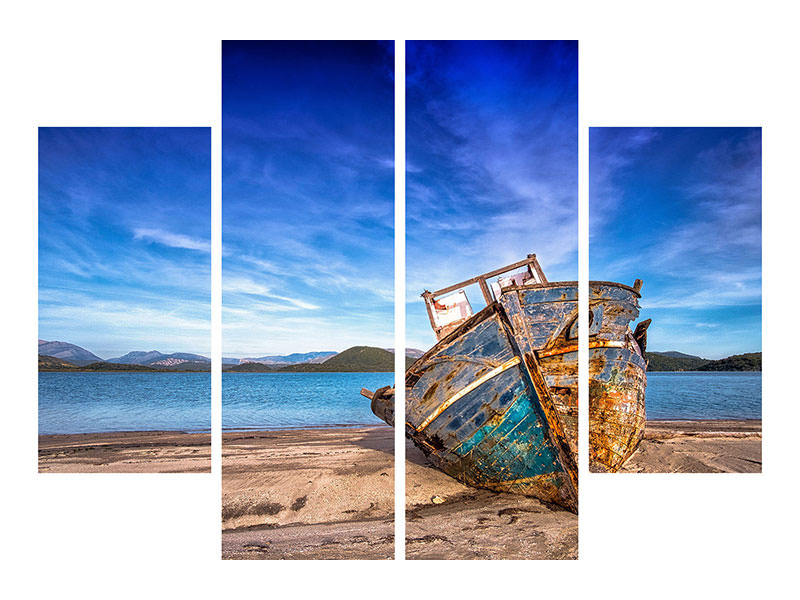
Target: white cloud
x,y
243,285
173,240
112,327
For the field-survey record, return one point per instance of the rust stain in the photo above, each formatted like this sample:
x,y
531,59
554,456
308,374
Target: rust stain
x,y
617,378
429,393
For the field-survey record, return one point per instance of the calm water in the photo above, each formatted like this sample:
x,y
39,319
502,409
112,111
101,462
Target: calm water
x,y
99,402
291,400
698,395
96,402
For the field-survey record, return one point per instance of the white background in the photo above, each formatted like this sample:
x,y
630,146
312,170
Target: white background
x,y
158,63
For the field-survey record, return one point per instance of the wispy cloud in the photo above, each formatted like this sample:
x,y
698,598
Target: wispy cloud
x,y
680,208
114,275
308,191
173,240
492,155
252,288
126,324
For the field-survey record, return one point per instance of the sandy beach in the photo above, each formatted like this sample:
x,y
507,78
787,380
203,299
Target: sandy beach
x,y
308,494
126,452
329,493
698,447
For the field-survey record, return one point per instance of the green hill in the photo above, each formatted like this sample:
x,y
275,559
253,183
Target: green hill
x,y
355,359
358,359
106,366
249,367
51,363
738,362
673,361
676,361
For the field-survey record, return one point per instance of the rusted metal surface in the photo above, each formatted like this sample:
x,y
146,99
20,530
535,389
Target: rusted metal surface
x,y
494,403
617,378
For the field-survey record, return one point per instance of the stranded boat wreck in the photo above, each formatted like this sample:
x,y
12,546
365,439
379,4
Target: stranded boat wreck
x,y
494,403
617,377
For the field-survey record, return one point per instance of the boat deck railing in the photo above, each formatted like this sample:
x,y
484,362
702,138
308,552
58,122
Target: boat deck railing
x,y
533,268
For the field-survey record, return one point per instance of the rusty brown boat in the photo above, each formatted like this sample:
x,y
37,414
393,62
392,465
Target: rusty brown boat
x,y
494,403
617,374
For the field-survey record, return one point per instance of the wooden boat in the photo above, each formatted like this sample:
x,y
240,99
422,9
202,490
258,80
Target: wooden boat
x,y
617,374
494,403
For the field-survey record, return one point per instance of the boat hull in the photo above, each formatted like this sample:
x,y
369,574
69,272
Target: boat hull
x,y
617,377
481,411
494,403
545,324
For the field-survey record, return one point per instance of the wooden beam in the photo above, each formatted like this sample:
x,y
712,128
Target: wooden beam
x,y
535,264
428,304
487,294
531,260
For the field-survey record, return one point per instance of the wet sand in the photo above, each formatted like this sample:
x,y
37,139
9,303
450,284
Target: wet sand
x,y
716,446
329,493
126,452
308,494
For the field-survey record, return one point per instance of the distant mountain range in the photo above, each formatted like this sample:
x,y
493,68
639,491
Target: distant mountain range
x,y
49,363
59,356
356,359
304,358
156,358
81,357
63,356
285,359
678,361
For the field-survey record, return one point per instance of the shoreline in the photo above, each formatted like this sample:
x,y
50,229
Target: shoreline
x,y
724,428
707,372
698,446
146,370
257,429
125,452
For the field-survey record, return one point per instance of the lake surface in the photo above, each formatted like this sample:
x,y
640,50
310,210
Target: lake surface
x,y
102,402
295,400
703,395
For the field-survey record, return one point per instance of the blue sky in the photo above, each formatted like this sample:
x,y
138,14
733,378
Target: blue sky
x,y
492,160
680,208
308,196
124,230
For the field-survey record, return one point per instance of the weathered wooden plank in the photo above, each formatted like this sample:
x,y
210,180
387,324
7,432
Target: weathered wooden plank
x,y
496,433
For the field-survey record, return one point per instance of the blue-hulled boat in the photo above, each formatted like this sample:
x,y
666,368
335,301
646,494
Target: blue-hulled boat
x,y
494,402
